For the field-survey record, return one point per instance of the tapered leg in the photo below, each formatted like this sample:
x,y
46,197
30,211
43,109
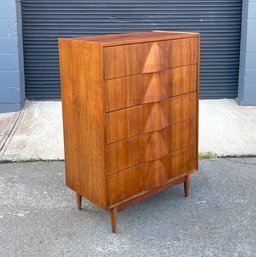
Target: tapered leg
x,y
186,185
78,201
113,216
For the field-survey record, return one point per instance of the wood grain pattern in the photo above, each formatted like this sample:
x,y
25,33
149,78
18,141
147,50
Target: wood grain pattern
x,y
149,175
186,185
183,80
125,184
183,160
113,217
183,107
151,146
136,37
146,194
198,93
149,57
147,118
123,154
130,115
148,88
83,118
78,201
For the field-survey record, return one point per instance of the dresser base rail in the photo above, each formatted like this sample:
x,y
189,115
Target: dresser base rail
x,y
121,206
125,204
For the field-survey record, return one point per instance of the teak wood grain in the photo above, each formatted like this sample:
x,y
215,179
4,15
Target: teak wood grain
x,y
136,37
83,118
151,117
149,57
151,175
148,88
130,115
150,146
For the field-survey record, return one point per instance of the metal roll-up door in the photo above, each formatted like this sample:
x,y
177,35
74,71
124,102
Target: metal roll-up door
x,y
44,21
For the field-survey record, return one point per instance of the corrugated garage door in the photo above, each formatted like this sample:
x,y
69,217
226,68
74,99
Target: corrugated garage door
x,y
44,21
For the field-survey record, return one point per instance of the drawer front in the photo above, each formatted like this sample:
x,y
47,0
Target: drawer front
x,y
174,164
151,146
125,184
184,160
148,88
151,174
147,118
125,60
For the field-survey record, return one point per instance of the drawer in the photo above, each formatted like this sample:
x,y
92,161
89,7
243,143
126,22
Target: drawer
x,y
184,160
148,88
150,146
175,164
125,184
151,117
149,175
125,60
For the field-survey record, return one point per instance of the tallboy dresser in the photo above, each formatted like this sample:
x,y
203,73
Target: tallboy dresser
x,y
130,114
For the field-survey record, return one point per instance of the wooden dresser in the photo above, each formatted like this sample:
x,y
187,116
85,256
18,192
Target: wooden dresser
x,y
130,114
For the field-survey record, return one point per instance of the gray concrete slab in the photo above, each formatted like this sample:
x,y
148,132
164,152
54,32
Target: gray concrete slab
x,y
38,216
7,122
226,128
38,133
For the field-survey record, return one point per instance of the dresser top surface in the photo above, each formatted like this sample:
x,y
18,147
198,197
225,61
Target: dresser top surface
x,y
119,39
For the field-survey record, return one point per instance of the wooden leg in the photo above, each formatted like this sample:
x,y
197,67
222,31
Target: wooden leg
x,y
113,216
78,201
186,185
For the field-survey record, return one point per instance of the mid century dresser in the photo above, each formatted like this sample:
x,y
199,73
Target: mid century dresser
x,y
130,114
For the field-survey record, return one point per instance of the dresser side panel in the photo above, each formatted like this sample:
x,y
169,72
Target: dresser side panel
x,y
198,94
81,70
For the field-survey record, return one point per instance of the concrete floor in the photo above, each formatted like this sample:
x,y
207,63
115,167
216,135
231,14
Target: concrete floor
x,y
38,133
7,123
38,216
225,129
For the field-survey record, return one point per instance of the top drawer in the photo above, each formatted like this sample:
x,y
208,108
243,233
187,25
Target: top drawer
x,y
150,57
